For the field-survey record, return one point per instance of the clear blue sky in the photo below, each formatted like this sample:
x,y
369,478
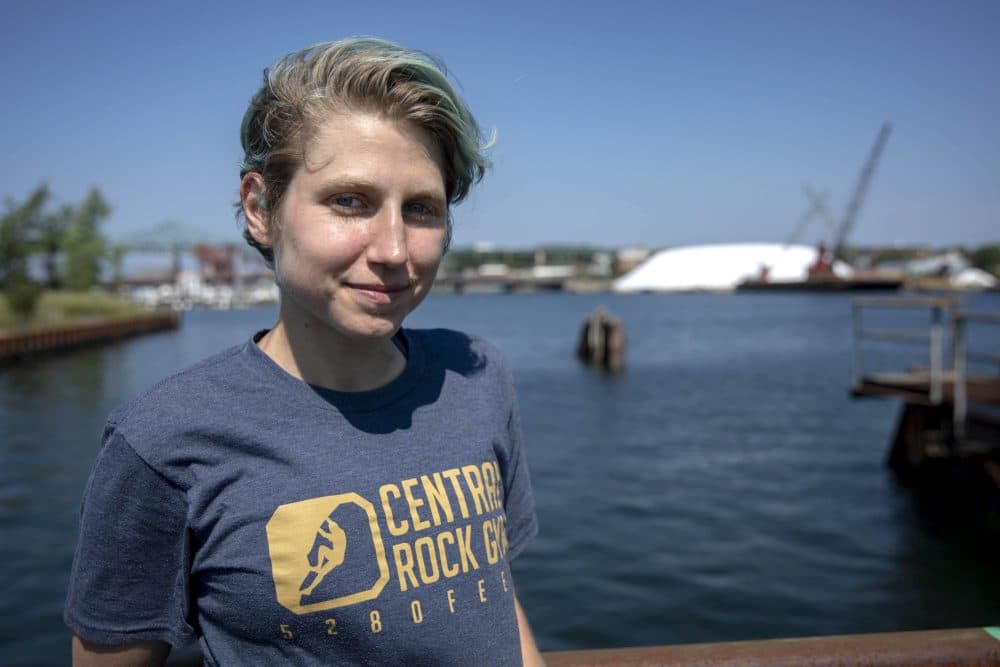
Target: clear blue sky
x,y
657,123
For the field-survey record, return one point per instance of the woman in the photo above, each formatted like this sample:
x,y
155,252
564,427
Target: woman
x,y
338,490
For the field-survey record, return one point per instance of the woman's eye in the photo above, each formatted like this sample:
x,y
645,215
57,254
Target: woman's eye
x,y
423,212
347,201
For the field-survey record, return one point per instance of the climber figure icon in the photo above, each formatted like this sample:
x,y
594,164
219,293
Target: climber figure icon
x,y
326,552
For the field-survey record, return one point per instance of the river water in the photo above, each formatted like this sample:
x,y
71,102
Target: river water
x,y
724,488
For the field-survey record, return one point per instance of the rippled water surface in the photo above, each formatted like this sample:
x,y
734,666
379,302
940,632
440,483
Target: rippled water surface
x,y
725,487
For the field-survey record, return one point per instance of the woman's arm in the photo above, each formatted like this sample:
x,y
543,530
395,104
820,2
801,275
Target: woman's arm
x,y
139,654
529,651
129,512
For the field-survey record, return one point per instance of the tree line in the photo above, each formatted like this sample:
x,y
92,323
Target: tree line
x,y
66,241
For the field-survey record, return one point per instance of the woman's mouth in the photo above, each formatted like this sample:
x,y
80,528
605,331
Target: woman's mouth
x,y
379,293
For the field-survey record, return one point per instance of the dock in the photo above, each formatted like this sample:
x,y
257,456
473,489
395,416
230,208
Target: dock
x,y
947,439
825,283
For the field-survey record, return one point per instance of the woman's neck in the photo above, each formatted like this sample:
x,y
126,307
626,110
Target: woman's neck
x,y
330,361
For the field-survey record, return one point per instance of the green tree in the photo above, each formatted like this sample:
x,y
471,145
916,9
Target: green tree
x,y
22,295
50,239
987,258
84,245
18,228
116,255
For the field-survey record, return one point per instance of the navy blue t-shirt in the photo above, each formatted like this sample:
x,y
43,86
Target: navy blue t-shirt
x,y
282,523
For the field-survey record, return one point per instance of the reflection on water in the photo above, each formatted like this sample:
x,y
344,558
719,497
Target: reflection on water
x,y
725,487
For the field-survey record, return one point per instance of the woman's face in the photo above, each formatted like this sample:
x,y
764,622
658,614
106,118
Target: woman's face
x,y
361,228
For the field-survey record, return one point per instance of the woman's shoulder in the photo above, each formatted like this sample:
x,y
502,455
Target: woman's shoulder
x,y
467,365
457,350
168,424
192,389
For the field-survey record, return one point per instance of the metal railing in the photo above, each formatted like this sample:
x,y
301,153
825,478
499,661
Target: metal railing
x,y
933,337
968,647
972,647
946,322
961,355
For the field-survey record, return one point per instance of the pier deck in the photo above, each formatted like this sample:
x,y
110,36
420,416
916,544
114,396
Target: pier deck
x,y
916,386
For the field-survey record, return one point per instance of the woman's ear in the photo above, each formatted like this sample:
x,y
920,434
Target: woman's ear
x,y
254,202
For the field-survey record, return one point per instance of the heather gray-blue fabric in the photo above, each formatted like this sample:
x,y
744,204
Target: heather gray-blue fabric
x,y
281,523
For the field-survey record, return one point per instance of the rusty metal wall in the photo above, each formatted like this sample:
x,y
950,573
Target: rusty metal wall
x,y
973,647
15,344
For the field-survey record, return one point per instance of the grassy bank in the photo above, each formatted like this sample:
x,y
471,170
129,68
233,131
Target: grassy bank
x,y
61,307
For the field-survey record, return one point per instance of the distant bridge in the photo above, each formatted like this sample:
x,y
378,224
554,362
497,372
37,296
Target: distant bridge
x,y
172,236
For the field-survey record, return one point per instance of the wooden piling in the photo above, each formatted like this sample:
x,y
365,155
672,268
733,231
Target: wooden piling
x,y
602,342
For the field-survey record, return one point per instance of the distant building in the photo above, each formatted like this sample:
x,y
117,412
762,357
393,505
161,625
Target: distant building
x,y
952,267
600,265
721,267
973,278
627,259
492,270
557,271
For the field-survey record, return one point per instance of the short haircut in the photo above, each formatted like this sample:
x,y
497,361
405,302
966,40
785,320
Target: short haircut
x,y
359,74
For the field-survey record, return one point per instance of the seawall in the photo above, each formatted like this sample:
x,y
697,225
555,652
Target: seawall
x,y
15,345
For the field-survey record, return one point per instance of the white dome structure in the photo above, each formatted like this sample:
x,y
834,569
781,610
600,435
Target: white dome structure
x,y
721,267
973,278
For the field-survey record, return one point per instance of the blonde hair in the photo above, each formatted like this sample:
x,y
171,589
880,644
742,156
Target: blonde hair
x,y
356,74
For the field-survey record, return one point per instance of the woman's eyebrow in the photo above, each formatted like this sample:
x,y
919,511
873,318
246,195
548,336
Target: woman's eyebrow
x,y
349,182
429,193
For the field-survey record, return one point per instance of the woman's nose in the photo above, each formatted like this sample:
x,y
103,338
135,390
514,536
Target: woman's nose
x,y
387,242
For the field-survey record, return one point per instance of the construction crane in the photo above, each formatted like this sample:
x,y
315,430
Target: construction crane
x,y
860,190
820,275
818,202
827,255
817,207
821,270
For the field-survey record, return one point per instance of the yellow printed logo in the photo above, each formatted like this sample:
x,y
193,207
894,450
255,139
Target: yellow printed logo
x,y
314,564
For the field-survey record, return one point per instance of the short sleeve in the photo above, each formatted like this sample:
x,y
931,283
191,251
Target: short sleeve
x,y
129,580
519,500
